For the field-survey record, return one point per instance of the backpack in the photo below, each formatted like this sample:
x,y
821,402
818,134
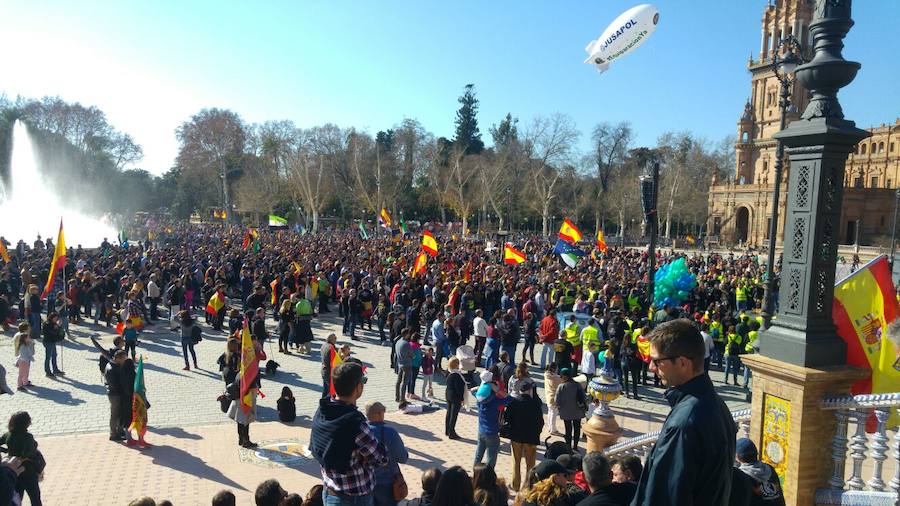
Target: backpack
x,y
555,449
417,358
196,334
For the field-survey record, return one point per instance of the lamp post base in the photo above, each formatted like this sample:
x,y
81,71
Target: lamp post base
x,y
601,432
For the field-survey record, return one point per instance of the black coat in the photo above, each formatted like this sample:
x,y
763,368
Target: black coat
x,y
691,462
456,388
525,417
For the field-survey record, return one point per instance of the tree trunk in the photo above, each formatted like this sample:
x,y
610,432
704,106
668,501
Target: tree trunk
x,y
465,224
545,213
315,220
622,226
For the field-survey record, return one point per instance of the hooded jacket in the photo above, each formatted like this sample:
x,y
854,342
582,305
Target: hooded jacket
x,y
766,485
335,428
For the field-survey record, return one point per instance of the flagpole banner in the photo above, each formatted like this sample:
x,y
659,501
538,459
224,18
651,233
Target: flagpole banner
x,y
864,310
277,221
58,265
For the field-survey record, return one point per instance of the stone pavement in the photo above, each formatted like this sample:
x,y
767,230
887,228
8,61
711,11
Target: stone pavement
x,y
196,452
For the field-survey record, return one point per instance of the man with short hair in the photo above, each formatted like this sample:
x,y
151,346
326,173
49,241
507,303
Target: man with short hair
x,y
764,485
627,469
397,454
692,459
269,493
604,492
403,360
343,444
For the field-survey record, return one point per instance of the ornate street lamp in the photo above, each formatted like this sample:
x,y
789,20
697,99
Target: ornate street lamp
x,y
649,193
784,66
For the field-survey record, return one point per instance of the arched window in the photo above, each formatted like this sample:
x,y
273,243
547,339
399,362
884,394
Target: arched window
x,y
863,149
745,137
880,148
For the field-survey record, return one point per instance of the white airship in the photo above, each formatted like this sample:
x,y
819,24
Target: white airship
x,y
622,36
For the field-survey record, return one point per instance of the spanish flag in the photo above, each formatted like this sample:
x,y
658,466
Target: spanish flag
x,y
601,242
216,302
864,309
249,369
429,245
3,253
569,232
511,255
419,265
333,361
385,218
139,402
59,261
274,286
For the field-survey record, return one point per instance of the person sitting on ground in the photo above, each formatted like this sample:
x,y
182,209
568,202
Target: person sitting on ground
x,y
489,490
454,489
21,444
549,487
765,487
287,406
572,463
627,469
430,479
269,493
224,498
291,500
599,476
314,496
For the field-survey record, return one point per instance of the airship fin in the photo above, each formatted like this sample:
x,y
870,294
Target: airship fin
x,y
590,47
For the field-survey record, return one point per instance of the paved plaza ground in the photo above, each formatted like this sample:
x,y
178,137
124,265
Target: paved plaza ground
x,y
196,452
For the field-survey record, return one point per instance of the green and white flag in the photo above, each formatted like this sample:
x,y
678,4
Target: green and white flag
x,y
277,221
403,229
362,231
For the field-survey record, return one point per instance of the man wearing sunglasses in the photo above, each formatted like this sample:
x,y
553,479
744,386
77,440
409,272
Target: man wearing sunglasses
x,y
692,459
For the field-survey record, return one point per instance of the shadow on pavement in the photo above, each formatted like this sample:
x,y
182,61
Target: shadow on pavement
x,y
94,389
57,396
183,462
414,432
176,432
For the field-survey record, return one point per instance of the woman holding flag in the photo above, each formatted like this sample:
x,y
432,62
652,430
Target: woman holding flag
x,y
244,389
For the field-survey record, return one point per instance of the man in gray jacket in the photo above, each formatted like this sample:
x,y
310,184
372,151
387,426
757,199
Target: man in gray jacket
x,y
691,462
403,358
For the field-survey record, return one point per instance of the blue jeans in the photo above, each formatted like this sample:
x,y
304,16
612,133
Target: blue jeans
x,y
50,358
489,443
548,354
361,500
350,325
511,351
492,355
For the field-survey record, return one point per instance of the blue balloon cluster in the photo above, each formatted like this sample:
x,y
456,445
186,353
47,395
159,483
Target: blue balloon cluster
x,y
672,283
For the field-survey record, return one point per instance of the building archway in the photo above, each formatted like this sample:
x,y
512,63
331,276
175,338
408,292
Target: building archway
x,y
742,224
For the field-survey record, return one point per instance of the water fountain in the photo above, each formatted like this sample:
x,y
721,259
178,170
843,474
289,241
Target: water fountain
x,y
29,207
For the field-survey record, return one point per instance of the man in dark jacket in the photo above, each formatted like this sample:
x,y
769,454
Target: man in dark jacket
x,y
342,442
509,335
691,462
117,392
524,420
598,474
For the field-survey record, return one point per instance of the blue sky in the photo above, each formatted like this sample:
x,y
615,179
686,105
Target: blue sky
x,y
150,65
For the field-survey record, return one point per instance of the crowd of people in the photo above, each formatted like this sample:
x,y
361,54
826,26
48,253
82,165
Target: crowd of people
x,y
466,311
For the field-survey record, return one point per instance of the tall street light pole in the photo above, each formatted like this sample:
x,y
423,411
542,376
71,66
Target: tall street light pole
x,y
894,228
649,193
784,67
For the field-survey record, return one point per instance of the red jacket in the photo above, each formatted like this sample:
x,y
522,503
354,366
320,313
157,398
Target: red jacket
x,y
549,329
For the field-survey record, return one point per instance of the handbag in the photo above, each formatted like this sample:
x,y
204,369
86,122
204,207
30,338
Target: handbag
x,y
505,426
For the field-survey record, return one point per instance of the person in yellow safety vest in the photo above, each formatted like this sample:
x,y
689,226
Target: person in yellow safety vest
x,y
573,336
718,335
590,334
569,297
734,346
751,347
740,295
760,320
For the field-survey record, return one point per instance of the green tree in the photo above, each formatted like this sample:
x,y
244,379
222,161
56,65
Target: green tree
x,y
467,135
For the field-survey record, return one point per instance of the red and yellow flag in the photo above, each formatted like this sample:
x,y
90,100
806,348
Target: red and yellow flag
x,y
334,361
429,244
249,369
601,242
3,253
569,232
863,306
59,261
511,255
419,265
216,302
385,218
274,286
